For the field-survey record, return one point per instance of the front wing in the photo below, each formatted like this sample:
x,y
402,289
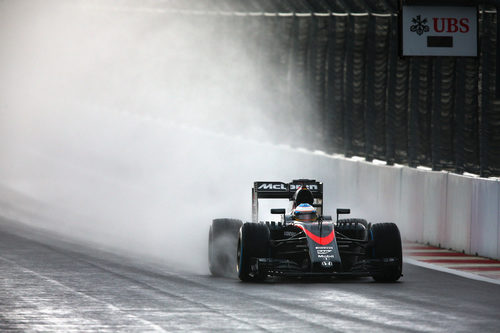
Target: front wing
x,y
289,268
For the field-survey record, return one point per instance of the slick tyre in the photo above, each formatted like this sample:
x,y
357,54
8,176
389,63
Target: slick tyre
x,y
387,244
222,244
254,242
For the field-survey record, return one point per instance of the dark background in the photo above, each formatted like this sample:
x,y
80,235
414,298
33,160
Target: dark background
x,y
363,99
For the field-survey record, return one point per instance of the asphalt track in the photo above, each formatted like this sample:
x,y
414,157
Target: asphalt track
x,y
52,285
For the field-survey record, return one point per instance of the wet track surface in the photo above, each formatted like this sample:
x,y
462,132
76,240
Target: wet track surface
x,y
46,285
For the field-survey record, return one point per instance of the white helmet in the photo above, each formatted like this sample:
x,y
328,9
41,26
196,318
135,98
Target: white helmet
x,y
305,213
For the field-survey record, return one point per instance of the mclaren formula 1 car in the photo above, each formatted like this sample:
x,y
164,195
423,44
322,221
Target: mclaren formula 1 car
x,y
300,245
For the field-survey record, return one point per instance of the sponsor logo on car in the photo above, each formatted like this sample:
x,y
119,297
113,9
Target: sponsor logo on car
x,y
326,256
283,187
289,233
312,187
271,186
326,264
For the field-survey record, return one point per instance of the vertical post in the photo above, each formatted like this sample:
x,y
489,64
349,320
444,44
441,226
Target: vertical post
x,y
312,47
459,116
330,107
370,80
498,54
413,112
436,117
349,87
390,136
484,121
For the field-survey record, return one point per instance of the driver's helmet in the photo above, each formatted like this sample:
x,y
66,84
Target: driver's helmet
x,y
305,213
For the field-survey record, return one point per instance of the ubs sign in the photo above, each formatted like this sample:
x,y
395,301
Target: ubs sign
x,y
439,31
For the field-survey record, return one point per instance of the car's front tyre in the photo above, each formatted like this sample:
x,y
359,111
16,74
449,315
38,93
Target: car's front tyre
x,y
254,242
387,247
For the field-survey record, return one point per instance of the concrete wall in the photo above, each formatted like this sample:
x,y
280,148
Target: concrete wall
x,y
439,208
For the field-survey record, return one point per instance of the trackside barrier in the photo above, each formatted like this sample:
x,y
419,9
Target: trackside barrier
x,y
379,191
389,183
434,203
484,222
412,204
343,179
439,208
458,213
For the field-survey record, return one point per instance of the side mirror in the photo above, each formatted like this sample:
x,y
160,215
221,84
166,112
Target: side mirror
x,y
277,210
342,211
327,218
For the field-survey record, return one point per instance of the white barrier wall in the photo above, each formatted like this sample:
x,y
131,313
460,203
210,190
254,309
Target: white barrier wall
x,y
439,208
379,190
345,188
458,213
434,207
485,235
412,204
390,192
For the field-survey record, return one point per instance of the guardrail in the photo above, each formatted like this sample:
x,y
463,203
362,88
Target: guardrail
x,y
439,208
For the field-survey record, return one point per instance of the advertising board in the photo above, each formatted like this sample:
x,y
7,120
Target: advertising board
x,y
439,31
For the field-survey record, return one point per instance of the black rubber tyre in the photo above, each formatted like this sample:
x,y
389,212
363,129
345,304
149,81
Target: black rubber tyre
x,y
254,242
222,245
387,244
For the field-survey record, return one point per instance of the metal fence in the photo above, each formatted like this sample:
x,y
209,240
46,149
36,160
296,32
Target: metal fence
x,y
339,61
432,111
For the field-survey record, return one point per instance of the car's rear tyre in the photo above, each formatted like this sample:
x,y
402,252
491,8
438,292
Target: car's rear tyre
x,y
387,244
222,244
254,242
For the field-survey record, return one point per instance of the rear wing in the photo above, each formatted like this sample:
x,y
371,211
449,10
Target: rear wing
x,y
280,190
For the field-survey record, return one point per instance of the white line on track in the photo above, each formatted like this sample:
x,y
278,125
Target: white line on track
x,y
450,258
450,265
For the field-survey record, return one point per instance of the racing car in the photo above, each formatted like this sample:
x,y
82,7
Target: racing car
x,y
304,242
